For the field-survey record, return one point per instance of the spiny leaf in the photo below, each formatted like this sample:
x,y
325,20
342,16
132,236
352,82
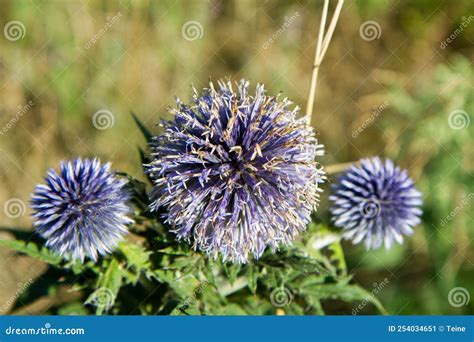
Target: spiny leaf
x,y
184,286
137,256
32,250
345,292
338,256
178,249
252,278
324,239
78,267
108,286
232,270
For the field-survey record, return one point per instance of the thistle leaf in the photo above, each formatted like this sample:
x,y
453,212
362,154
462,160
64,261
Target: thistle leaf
x,y
252,278
138,258
232,270
345,292
108,286
32,250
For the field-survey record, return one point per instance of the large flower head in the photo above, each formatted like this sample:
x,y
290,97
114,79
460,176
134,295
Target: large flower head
x,y
81,210
376,202
235,172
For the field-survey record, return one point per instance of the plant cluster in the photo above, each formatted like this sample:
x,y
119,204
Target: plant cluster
x,y
225,222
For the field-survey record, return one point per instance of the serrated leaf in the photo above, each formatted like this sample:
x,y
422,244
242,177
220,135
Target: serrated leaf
x,y
78,267
270,279
338,257
186,287
138,258
130,277
174,250
252,278
345,292
324,239
108,286
232,270
312,279
32,250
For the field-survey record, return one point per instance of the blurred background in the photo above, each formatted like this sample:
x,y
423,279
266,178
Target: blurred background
x,y
397,81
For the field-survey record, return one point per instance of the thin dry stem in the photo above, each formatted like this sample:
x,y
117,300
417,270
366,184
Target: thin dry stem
x,y
321,47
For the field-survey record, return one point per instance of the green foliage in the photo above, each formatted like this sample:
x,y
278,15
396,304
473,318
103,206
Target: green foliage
x,y
33,250
108,285
137,258
174,279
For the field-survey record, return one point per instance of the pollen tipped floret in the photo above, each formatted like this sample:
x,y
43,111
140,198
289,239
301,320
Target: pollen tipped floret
x,y
82,210
376,202
236,172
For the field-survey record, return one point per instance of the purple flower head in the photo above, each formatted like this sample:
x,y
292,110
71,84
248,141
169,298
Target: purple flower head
x,y
236,172
81,211
376,202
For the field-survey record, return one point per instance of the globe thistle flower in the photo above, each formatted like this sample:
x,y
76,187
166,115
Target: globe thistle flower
x,y
235,172
376,202
81,211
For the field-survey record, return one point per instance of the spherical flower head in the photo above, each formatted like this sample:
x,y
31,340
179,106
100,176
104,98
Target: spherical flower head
x,y
236,172
376,202
81,210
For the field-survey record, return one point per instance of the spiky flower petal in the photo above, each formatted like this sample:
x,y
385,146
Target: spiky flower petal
x,y
82,210
376,202
236,172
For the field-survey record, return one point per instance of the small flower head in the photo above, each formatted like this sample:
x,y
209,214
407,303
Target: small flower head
x,y
376,202
236,172
81,210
